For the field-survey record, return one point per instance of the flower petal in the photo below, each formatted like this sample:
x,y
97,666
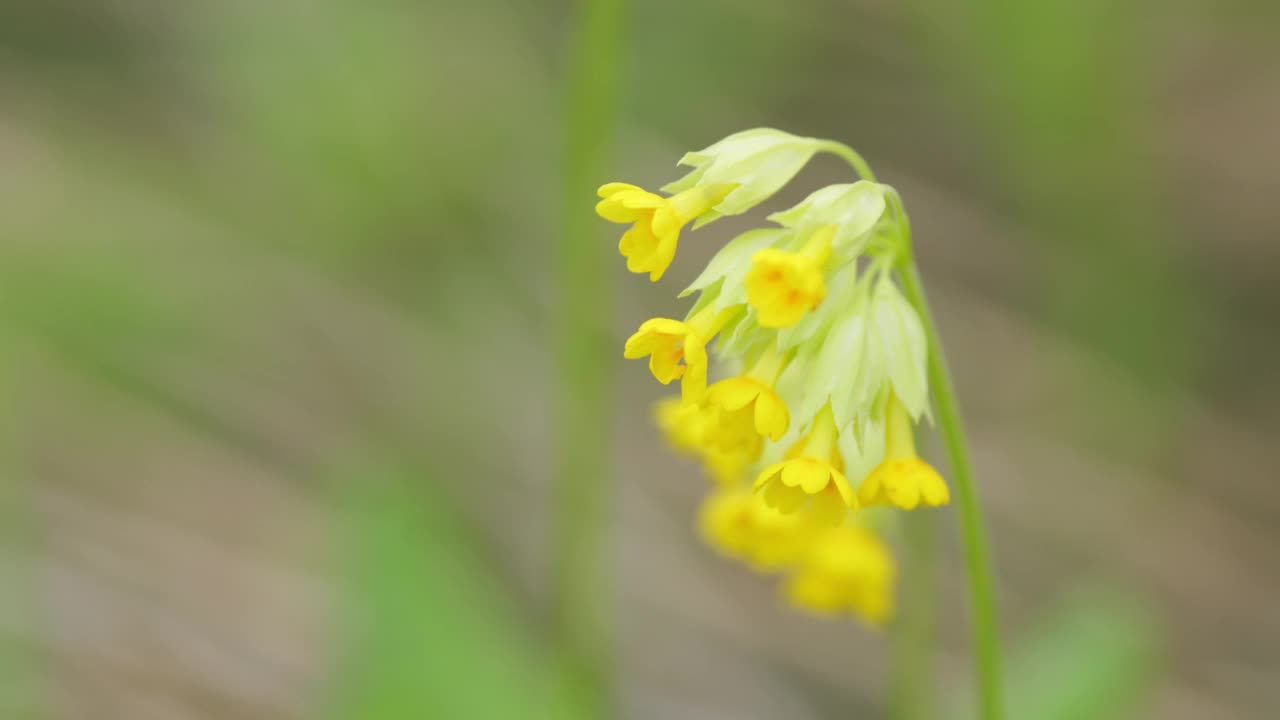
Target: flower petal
x,y
806,473
844,489
827,508
870,492
694,385
734,393
766,475
772,418
932,487
784,499
903,492
609,189
613,211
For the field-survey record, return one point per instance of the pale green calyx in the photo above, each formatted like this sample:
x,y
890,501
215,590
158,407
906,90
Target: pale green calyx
x,y
758,161
732,263
854,208
904,345
876,348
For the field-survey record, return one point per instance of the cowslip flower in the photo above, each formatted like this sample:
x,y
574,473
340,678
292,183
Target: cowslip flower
x,y
650,245
698,430
684,425
783,285
678,349
738,525
846,569
750,399
726,446
810,478
902,479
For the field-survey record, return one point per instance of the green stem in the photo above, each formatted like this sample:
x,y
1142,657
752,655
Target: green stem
x,y
583,343
850,156
977,552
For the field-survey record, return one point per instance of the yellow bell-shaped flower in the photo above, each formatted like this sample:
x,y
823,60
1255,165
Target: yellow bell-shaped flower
x,y
650,244
739,525
782,285
751,400
845,569
695,429
811,479
678,349
684,425
902,479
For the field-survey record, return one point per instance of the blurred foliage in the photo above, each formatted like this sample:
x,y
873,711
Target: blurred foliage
x,y
1094,658
433,635
1063,91
162,162
21,661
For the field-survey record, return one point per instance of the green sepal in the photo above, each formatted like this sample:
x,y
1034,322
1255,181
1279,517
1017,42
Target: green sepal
x,y
759,161
731,265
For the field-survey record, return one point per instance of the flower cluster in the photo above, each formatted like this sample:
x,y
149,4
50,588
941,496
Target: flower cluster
x,y
820,367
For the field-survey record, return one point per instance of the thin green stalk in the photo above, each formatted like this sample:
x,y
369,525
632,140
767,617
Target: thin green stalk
x,y
977,552
851,156
912,686
582,351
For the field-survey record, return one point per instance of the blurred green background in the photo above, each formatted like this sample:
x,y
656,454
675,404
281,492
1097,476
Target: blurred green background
x,y
277,305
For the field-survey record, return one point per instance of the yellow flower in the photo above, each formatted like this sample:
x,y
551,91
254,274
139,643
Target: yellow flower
x,y
732,434
684,425
696,430
752,399
748,398
902,478
725,522
678,349
782,285
846,569
650,244
811,478
728,469
737,524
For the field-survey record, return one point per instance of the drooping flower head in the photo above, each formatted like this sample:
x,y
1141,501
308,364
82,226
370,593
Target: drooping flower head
x,y
819,365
